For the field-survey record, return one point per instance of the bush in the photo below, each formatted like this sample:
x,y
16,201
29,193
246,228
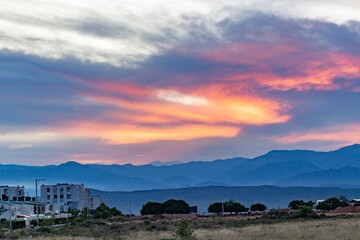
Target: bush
x,y
104,212
184,232
305,211
17,224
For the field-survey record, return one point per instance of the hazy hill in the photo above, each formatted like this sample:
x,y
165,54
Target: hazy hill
x,y
343,177
74,173
273,197
282,168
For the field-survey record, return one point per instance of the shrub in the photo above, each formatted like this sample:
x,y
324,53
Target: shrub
x,y
184,232
305,211
104,212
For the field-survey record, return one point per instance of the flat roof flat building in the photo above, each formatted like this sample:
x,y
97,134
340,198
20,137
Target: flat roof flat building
x,y
63,196
15,193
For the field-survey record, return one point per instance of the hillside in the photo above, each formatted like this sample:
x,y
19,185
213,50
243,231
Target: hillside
x,y
338,168
273,197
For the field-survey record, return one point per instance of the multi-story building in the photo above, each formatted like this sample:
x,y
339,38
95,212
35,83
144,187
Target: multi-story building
x,y
63,196
15,193
96,201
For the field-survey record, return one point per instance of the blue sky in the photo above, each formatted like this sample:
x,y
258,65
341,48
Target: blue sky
x,y
135,82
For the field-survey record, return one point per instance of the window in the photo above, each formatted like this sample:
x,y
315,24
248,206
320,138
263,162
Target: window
x,y
47,189
55,196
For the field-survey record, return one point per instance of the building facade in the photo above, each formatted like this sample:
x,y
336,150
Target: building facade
x,y
63,196
96,201
14,209
15,193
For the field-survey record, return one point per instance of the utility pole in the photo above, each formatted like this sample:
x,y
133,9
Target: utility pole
x,y
222,208
130,208
10,215
37,200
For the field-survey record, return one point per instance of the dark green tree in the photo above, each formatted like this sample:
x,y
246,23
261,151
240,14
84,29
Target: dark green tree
x,y
295,204
215,207
152,208
173,206
258,207
331,204
230,206
234,206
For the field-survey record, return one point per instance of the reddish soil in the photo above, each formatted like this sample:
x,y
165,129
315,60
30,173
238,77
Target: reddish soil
x,y
349,209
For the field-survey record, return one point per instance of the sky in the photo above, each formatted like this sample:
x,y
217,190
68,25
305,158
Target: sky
x,y
132,81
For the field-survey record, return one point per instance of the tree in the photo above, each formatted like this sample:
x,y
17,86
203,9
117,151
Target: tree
x,y
331,204
173,206
234,206
258,207
152,208
74,212
104,212
215,207
229,206
184,232
295,204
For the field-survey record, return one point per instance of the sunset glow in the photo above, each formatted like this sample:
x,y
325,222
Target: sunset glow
x,y
99,81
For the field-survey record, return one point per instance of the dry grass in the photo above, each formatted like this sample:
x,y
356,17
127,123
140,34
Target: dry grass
x,y
213,229
328,229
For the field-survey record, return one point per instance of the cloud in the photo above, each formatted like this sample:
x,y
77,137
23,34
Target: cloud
x,y
339,134
95,80
173,96
19,146
126,33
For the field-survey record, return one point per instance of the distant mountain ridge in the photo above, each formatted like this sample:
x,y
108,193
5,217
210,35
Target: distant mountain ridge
x,y
338,168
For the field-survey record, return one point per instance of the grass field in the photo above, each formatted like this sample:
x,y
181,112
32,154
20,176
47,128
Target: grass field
x,y
207,229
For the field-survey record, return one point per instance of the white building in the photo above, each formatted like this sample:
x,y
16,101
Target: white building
x,y
12,193
96,201
17,209
63,196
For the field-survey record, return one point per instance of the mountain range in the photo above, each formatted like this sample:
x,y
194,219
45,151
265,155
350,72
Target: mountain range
x,y
338,168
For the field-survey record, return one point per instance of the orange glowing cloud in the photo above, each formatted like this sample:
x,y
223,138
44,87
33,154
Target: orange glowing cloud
x,y
130,134
145,115
210,104
343,134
